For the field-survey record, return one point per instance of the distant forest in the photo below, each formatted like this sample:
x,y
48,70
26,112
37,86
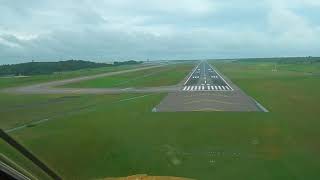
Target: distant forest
x,y
37,68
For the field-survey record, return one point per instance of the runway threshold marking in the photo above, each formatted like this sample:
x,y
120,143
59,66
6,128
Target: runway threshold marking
x,y
206,88
220,76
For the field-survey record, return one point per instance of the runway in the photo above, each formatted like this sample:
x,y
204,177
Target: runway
x,y
206,89
205,78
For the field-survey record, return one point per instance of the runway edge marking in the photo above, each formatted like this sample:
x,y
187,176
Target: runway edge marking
x,y
220,76
192,73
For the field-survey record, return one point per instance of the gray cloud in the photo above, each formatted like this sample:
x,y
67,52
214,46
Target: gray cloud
x,y
181,29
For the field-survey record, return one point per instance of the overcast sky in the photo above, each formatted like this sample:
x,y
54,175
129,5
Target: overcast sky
x,y
44,30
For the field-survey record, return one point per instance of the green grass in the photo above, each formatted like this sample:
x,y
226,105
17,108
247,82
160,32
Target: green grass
x,y
6,82
120,136
18,110
162,76
294,87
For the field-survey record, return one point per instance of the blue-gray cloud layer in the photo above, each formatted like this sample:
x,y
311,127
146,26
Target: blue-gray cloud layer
x,y
157,29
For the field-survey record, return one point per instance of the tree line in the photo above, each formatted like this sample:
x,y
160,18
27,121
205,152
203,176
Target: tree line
x,y
285,60
38,68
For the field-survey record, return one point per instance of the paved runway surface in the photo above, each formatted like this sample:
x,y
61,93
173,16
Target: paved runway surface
x,y
205,78
205,89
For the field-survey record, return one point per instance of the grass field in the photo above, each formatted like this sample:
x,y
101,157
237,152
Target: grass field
x,y
292,88
6,82
96,136
162,76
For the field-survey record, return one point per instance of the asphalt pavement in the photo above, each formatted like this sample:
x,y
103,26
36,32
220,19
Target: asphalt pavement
x,y
206,89
205,78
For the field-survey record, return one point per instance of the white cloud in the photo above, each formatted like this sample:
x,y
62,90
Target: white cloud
x,y
156,29
290,29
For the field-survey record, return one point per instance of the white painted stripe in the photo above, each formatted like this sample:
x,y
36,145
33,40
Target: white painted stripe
x,y
222,87
220,76
202,87
208,87
185,88
192,73
188,88
227,88
212,87
219,87
199,88
192,88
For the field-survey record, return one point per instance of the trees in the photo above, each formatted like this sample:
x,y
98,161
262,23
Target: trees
x,y
37,68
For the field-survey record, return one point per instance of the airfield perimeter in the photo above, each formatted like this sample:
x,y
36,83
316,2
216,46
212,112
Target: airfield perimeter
x,y
204,89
